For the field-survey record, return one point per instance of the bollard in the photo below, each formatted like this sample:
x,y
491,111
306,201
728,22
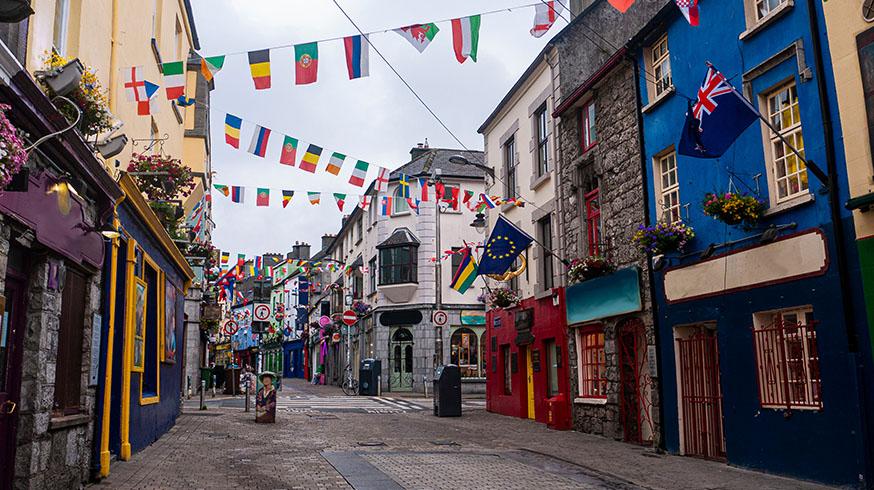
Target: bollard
x,y
188,385
246,387
202,390
425,383
379,385
213,385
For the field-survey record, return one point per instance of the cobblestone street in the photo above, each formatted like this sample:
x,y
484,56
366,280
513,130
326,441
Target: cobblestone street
x,y
325,448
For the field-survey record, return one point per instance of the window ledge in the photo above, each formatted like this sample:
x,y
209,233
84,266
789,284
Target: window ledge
x,y
590,401
767,20
543,294
658,100
537,182
63,422
790,204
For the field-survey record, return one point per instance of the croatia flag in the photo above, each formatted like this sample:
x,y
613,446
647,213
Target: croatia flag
x,y
357,56
258,146
689,8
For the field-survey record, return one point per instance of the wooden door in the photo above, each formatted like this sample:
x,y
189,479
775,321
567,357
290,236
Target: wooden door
x,y
11,345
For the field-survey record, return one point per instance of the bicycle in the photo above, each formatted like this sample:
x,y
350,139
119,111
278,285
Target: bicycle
x,y
350,384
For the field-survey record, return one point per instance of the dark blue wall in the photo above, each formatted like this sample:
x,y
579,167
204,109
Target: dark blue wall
x,y
293,357
821,445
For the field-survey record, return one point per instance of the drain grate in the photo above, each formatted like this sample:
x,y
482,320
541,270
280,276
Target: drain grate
x,y
322,416
371,443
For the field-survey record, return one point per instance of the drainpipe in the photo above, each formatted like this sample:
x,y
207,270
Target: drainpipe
x,y
644,164
113,58
838,227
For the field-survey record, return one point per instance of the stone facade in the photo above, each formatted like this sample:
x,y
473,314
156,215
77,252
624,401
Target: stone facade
x,y
614,168
51,451
194,346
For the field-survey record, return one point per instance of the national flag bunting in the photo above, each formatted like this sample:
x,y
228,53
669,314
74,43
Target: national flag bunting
x,y
452,198
315,197
335,163
404,184
259,266
620,5
419,35
232,130
258,146
286,198
413,204
183,101
382,179
289,151
226,257
134,86
468,196
237,193
263,198
174,79
466,272
223,189
545,14
341,200
310,159
385,206
423,189
689,8
487,201
357,56
359,173
364,202
259,65
150,105
439,190
465,37
209,66
306,62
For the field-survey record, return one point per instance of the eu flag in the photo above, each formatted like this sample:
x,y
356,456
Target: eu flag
x,y
504,245
716,119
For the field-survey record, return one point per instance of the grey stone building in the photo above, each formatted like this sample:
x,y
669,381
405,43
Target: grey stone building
x,y
601,201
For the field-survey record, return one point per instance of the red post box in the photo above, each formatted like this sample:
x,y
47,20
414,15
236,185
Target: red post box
x,y
557,413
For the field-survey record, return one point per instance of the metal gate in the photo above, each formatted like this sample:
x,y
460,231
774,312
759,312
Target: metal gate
x,y
701,395
635,387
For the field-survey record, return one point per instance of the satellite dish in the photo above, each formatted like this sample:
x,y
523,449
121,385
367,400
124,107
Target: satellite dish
x,y
14,11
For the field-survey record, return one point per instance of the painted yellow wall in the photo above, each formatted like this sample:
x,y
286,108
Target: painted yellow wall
x,y
90,31
843,23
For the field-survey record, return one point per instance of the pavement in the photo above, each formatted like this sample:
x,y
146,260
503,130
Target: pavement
x,y
323,440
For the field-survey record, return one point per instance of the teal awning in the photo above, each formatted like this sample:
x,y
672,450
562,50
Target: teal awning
x,y
604,297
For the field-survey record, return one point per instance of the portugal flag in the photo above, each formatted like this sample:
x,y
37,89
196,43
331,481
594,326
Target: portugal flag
x,y
306,61
263,197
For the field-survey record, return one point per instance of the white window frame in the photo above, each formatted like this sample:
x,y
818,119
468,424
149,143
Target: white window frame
x,y
399,205
760,15
659,61
777,154
667,192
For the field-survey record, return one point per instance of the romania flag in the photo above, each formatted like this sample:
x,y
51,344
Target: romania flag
x,y
259,64
311,159
466,273
232,130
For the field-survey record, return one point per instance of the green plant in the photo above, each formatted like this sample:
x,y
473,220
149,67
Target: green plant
x,y
733,208
12,154
160,177
89,97
663,237
589,267
503,298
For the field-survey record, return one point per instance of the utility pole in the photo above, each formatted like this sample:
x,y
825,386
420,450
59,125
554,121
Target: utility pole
x,y
438,270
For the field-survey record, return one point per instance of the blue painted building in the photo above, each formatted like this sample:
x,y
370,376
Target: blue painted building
x,y
145,280
758,327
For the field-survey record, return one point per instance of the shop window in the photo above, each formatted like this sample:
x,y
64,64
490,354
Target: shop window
x,y
68,370
588,133
787,359
789,174
398,265
592,365
553,362
465,352
541,120
593,221
153,334
508,371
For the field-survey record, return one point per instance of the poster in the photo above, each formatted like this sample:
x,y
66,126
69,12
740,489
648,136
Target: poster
x,y
139,324
169,322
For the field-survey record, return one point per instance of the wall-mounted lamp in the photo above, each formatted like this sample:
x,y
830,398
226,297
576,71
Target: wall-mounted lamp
x,y
479,222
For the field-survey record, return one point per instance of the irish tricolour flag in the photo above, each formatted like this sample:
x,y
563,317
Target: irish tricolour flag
x,y
174,79
419,35
465,37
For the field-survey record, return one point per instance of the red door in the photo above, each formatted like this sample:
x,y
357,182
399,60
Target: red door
x,y
11,337
701,395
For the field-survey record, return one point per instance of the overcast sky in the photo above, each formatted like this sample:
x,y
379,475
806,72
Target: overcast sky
x,y
375,119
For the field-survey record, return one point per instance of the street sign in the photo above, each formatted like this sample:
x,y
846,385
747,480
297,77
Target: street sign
x,y
324,321
349,317
261,312
440,318
348,300
230,327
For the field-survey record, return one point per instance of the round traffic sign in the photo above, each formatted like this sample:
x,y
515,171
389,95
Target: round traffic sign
x,y
230,327
324,321
262,312
349,317
440,318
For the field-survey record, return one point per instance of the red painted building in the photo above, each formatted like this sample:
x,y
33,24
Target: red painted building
x,y
528,361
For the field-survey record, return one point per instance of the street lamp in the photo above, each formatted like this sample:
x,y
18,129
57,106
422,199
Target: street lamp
x,y
460,160
479,222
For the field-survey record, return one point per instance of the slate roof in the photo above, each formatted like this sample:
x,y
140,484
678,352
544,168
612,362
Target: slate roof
x,y
432,158
401,236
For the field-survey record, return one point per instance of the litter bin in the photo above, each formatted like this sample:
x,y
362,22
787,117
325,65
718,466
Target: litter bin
x,y
557,415
206,375
447,391
368,377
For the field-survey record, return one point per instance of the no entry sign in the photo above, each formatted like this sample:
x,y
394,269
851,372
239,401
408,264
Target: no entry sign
x,y
349,317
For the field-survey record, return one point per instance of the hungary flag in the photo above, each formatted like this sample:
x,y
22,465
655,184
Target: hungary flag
x,y
174,79
465,37
306,59
419,35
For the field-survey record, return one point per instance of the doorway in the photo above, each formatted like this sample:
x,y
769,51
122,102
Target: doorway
x,y
700,392
11,347
635,383
529,380
401,360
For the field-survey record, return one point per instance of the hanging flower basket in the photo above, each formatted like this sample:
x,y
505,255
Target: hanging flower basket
x,y
165,178
733,208
12,154
589,268
503,298
663,237
360,308
89,96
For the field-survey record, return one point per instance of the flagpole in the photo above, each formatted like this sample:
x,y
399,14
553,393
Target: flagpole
x,y
814,168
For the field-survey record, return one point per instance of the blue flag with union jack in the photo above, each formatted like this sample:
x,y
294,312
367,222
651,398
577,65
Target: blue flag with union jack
x,y
716,119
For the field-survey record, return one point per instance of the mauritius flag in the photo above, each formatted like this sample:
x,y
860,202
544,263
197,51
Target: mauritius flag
x,y
263,198
174,79
232,130
306,60
357,56
419,35
258,146
465,37
465,274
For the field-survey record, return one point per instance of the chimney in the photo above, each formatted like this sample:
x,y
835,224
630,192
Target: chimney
x,y
326,241
303,251
419,150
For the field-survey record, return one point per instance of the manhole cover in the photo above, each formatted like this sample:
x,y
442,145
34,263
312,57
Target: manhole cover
x,y
373,443
321,416
445,442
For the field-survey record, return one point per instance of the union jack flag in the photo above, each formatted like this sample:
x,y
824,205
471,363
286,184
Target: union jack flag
x,y
714,86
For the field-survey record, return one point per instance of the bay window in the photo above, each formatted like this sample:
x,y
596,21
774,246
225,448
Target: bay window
x,y
398,265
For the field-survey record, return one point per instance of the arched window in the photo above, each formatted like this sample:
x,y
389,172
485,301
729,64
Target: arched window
x,y
399,203
464,352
